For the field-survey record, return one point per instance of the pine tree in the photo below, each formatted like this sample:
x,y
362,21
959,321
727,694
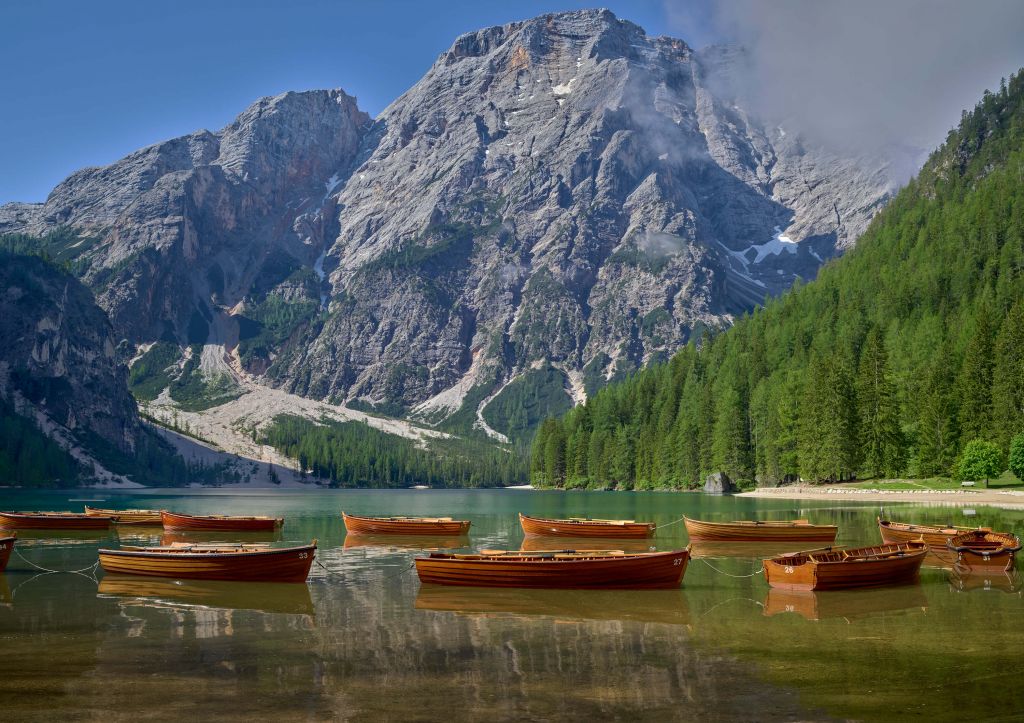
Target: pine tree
x,y
881,439
828,432
974,387
731,440
1008,377
936,421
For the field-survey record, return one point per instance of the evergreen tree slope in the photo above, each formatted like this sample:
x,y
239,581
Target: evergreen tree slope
x,y
897,356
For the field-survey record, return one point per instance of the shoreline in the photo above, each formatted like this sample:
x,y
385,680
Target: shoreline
x,y
1006,499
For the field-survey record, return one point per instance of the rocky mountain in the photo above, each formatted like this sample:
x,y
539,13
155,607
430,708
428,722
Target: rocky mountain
x,y
58,363
556,203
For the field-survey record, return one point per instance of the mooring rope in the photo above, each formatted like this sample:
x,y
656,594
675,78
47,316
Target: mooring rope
x,y
732,599
81,571
729,574
343,576
673,522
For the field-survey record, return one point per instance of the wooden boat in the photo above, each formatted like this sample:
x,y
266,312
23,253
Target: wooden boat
x,y
981,550
585,527
6,548
848,604
127,517
837,568
532,543
221,523
268,597
594,569
649,606
933,536
53,521
405,525
758,531
255,563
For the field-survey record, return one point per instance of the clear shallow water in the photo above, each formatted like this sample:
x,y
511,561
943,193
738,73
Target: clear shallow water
x,y
366,642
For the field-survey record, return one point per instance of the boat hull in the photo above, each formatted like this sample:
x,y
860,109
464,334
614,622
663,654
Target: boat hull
x,y
824,571
209,523
357,525
935,537
272,565
699,530
128,517
6,548
651,571
63,521
980,551
542,527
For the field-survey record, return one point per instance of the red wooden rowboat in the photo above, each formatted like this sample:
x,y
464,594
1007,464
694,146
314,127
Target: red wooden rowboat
x,y
405,525
127,517
6,548
985,551
254,563
607,569
840,568
757,531
585,527
933,536
53,521
220,523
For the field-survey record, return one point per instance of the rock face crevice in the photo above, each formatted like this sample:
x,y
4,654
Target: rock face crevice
x,y
58,360
561,191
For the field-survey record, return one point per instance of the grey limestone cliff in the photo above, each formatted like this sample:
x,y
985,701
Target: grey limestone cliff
x,y
557,202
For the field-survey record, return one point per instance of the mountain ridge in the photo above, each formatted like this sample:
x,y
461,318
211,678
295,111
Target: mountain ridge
x,y
562,195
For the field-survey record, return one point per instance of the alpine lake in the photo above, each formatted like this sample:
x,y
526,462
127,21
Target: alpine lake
x,y
363,640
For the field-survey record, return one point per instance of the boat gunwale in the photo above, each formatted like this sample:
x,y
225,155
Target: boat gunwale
x,y
407,520
581,521
223,518
785,524
185,553
58,515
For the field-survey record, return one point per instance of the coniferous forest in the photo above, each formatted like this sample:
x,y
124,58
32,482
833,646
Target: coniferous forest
x,y
353,454
889,364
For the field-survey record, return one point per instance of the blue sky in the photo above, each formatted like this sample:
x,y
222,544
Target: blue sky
x,y
85,83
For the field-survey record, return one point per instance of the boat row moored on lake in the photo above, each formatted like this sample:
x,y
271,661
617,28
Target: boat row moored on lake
x,y
585,565
237,562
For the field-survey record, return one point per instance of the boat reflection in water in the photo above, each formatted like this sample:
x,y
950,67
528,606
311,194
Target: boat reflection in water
x,y
649,606
55,537
406,542
268,597
822,605
538,544
170,538
962,580
752,550
6,598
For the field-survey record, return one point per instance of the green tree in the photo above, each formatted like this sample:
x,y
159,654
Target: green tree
x,y
974,386
936,421
1008,377
981,459
828,429
1016,459
881,439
